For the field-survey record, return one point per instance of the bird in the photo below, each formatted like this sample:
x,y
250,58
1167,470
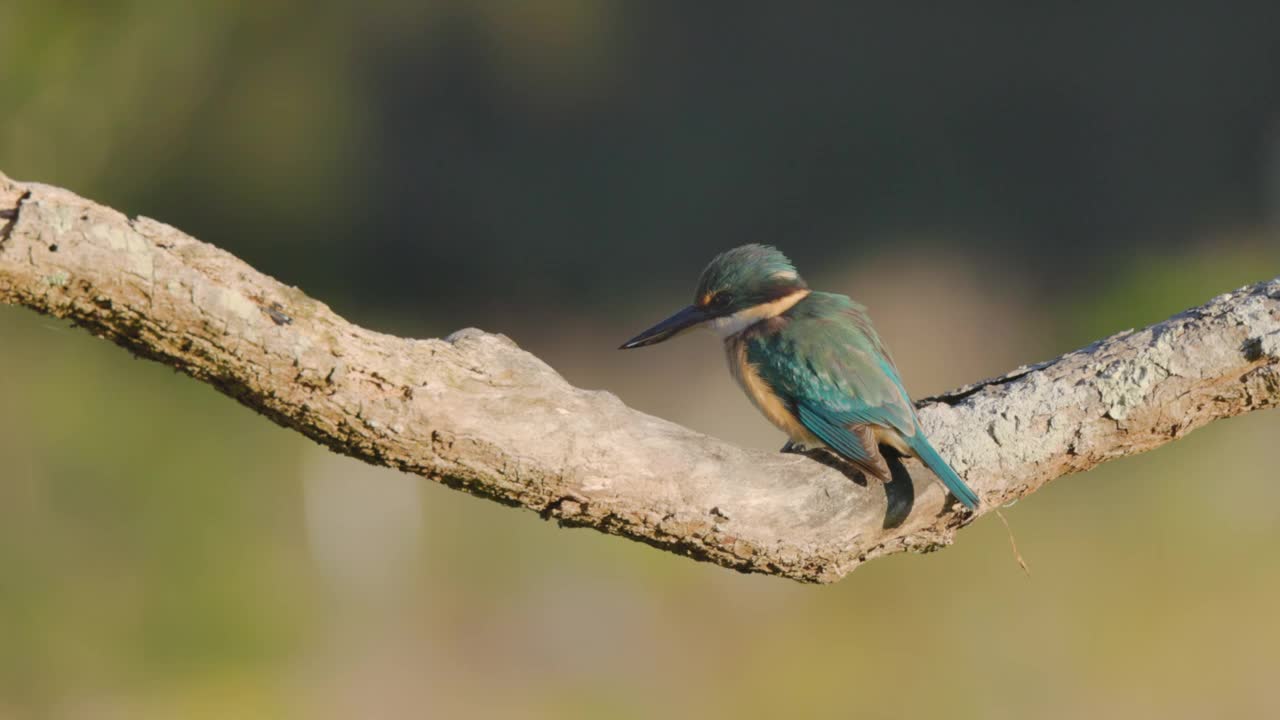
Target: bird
x,y
810,362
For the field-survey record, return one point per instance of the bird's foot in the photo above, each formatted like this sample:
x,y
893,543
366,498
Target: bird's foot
x,y
793,447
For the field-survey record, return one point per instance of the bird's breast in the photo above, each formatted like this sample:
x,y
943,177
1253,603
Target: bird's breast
x,y
762,394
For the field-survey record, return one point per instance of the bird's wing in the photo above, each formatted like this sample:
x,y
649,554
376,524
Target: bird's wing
x,y
833,367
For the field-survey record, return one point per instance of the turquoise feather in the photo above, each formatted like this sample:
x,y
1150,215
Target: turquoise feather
x,y
930,457
824,358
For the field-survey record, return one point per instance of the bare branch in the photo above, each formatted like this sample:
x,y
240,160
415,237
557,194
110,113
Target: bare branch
x,y
475,412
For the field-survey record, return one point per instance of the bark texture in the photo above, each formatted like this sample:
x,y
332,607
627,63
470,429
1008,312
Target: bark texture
x,y
475,412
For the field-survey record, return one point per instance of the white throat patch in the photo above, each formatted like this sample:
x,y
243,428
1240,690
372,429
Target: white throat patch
x,y
743,319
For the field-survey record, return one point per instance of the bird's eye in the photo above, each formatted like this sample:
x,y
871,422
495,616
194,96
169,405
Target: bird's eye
x,y
721,300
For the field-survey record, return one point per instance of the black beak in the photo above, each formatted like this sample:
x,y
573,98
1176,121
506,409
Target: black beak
x,y
687,318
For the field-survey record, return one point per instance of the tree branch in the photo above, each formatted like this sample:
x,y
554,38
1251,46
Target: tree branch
x,y
475,412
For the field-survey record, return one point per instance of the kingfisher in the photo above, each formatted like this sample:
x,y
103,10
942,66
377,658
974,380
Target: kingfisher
x,y
810,362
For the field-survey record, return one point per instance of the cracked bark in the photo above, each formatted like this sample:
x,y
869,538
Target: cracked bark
x,y
475,412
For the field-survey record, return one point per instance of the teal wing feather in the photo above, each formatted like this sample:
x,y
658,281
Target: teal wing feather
x,y
828,361
835,434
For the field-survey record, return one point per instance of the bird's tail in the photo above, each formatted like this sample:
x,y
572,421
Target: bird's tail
x,y
934,461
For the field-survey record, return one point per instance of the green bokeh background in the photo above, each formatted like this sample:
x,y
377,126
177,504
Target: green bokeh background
x,y
999,184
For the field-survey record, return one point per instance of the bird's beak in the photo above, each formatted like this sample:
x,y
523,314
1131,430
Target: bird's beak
x,y
686,319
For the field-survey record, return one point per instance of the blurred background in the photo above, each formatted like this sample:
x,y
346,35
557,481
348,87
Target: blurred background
x,y
999,182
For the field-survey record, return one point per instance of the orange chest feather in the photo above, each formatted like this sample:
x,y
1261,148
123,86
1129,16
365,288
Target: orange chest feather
x,y
763,396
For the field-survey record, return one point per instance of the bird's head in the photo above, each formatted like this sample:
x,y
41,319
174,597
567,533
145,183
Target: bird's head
x,y
739,288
